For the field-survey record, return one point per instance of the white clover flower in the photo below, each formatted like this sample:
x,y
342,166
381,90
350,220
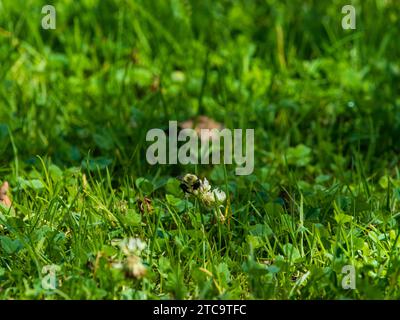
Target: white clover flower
x,y
205,185
212,198
132,246
207,199
219,195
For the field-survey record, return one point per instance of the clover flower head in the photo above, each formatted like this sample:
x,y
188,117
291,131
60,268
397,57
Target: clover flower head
x,y
131,264
219,195
214,198
202,190
132,246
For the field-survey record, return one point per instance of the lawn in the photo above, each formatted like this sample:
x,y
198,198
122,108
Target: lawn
x,y
91,218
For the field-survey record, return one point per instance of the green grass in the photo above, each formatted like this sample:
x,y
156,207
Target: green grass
x,y
75,106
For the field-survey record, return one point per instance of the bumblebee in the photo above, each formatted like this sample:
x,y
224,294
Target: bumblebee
x,y
190,183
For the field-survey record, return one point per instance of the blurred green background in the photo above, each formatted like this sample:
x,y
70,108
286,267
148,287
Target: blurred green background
x,y
113,69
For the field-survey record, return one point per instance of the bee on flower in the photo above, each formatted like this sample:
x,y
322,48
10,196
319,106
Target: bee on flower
x,y
210,198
